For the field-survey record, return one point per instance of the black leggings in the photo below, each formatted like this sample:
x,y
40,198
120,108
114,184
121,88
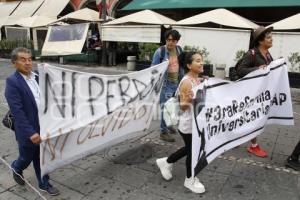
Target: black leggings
x,y
184,151
296,153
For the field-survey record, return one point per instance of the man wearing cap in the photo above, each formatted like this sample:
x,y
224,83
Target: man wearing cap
x,y
256,58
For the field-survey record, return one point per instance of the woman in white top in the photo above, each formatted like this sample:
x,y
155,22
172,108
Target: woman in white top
x,y
194,66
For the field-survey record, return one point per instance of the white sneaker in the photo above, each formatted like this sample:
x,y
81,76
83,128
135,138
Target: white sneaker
x,y
165,168
194,185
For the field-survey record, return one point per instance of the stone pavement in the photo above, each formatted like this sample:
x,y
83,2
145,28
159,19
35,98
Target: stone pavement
x,y
128,171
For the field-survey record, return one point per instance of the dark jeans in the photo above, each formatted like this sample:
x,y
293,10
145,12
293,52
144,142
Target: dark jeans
x,y
184,151
296,153
26,155
167,92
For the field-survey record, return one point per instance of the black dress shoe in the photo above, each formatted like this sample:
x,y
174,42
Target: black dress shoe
x,y
18,178
294,164
50,190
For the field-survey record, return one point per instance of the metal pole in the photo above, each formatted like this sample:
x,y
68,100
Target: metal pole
x,y
103,16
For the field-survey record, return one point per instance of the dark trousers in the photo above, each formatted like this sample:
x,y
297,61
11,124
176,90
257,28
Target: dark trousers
x,y
26,155
296,153
184,151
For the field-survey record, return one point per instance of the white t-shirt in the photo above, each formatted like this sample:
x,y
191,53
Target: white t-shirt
x,y
185,118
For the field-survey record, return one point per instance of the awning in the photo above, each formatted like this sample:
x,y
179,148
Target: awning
x,y
289,23
131,33
52,8
219,16
173,4
65,40
7,21
11,12
6,8
35,21
27,8
143,17
84,14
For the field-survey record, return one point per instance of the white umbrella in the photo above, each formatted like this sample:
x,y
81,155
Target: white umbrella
x,y
35,21
7,21
6,8
219,16
289,23
85,14
143,17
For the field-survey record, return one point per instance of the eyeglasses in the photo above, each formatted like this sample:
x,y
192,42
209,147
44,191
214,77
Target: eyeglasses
x,y
171,40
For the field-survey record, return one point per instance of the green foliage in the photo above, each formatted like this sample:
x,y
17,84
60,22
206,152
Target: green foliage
x,y
146,50
204,52
239,54
126,47
12,44
294,59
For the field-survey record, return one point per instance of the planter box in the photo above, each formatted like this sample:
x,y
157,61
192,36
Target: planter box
x,y
294,78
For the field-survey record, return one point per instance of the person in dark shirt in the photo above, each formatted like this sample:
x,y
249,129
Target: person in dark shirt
x,y
94,42
256,58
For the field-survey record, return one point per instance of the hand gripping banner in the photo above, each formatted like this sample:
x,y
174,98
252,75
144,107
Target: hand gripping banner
x,y
81,113
228,114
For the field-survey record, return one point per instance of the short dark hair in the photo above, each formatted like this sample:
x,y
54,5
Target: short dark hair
x,y
261,38
188,58
16,51
174,33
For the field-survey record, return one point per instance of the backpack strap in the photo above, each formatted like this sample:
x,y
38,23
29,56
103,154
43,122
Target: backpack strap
x,y
180,58
162,53
178,49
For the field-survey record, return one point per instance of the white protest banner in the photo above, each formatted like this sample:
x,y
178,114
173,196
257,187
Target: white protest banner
x,y
227,114
81,113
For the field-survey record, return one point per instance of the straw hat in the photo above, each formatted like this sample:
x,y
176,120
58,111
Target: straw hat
x,y
259,31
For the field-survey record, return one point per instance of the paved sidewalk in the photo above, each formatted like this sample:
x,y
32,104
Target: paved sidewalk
x,y
128,170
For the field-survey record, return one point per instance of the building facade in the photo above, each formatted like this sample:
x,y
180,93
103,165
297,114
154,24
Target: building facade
x,y
113,5
260,13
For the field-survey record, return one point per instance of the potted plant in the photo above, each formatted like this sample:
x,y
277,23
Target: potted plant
x,y
6,46
239,54
294,75
146,51
294,59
